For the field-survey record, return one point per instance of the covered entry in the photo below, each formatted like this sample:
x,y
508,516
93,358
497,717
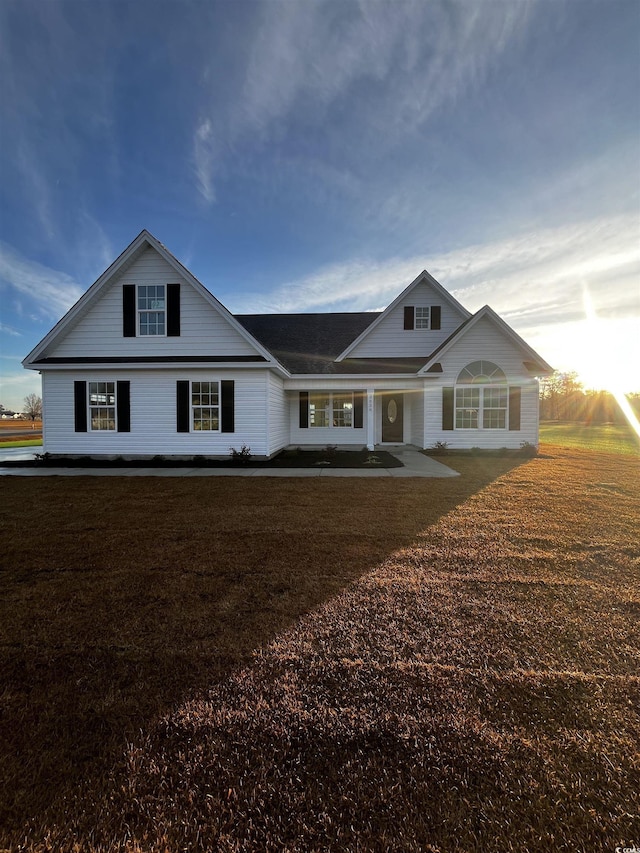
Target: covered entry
x,y
393,417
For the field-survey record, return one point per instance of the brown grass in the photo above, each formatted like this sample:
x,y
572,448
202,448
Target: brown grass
x,y
302,665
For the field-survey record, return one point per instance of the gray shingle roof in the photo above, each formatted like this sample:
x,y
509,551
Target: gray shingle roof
x,y
310,343
306,343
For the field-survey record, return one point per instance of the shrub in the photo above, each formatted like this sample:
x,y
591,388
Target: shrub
x,y
528,449
440,448
241,456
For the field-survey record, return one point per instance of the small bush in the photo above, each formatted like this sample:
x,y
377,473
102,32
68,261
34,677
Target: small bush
x,y
440,448
528,449
331,450
241,456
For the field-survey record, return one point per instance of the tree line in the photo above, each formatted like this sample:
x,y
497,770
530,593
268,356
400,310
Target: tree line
x,y
563,398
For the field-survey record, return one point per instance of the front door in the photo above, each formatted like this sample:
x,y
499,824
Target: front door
x,y
392,418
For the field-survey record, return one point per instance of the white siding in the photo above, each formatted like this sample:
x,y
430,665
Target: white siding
x,y
204,331
153,415
483,341
390,338
278,413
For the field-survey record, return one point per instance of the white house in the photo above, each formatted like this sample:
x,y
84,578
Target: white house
x,y
149,362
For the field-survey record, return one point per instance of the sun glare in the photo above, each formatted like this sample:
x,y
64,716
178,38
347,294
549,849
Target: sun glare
x,y
606,356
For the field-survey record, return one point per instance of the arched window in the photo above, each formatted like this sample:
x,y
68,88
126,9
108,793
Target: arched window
x,y
481,372
485,405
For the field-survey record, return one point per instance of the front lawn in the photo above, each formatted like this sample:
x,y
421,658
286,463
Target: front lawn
x,y
607,438
306,665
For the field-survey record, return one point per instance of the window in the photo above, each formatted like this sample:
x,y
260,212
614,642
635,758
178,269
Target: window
x,y
343,410
467,408
330,410
102,405
151,309
483,406
480,372
205,406
494,408
422,318
319,409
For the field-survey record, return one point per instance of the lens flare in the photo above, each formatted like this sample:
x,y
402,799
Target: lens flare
x,y
594,327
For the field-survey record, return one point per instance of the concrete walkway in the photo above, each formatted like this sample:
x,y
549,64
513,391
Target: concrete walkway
x,y
416,464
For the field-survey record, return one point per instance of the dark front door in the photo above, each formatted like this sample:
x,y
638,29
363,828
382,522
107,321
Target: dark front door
x,y
392,420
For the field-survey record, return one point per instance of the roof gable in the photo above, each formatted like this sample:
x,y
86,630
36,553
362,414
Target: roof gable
x,y
533,363
425,289
236,337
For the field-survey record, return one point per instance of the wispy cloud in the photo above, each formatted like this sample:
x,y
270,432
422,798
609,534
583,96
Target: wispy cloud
x,y
531,279
9,330
50,292
308,56
362,75
204,160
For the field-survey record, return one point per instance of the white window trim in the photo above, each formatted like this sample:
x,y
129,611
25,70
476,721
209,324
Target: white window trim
x,y
90,426
416,327
192,407
330,410
481,407
141,311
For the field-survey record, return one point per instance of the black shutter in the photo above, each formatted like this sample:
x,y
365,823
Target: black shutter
x,y
80,406
408,317
124,407
514,407
304,409
435,316
173,310
228,404
182,405
129,310
358,408
447,408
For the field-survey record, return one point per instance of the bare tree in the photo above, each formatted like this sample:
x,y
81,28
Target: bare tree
x,y
33,406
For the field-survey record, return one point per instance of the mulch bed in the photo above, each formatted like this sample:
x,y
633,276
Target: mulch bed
x,y
286,459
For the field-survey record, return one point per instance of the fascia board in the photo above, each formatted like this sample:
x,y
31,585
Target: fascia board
x,y
355,378
159,365
424,276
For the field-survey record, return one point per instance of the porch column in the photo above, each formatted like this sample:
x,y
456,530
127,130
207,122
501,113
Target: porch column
x,y
370,419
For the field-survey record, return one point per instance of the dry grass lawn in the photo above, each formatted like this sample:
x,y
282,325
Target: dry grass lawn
x,y
305,665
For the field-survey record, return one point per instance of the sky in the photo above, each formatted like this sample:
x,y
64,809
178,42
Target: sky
x,y
317,155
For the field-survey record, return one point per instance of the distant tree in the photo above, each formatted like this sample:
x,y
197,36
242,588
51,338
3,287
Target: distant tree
x,y
33,406
561,396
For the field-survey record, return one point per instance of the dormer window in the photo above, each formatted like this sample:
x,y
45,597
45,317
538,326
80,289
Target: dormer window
x,y
422,318
151,309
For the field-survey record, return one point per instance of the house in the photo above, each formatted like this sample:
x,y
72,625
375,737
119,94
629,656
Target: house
x,y
149,362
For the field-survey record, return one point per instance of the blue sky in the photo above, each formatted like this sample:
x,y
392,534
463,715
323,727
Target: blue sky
x,y
302,155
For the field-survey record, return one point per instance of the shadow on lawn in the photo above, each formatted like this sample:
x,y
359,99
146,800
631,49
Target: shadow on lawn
x,y
124,597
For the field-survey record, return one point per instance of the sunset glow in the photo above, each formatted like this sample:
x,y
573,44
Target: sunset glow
x,y
608,357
